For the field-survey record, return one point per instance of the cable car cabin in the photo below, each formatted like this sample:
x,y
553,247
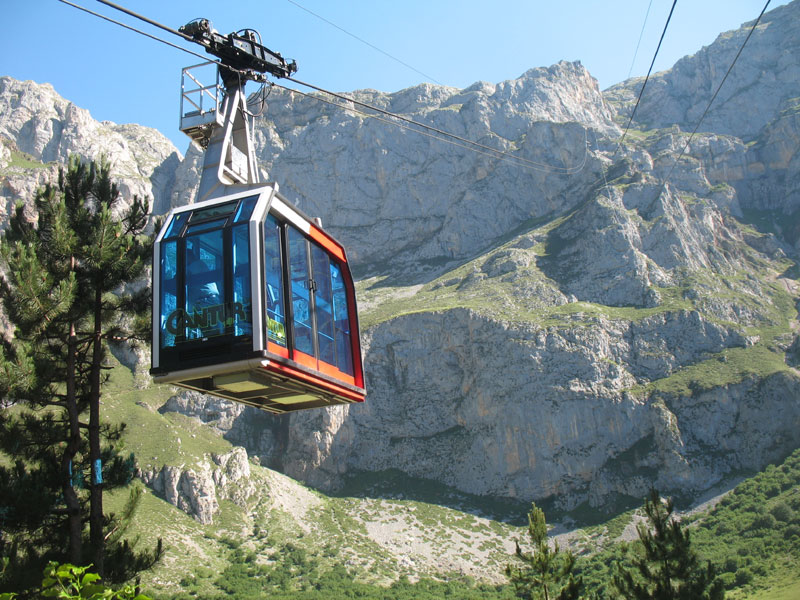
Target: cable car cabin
x,y
255,303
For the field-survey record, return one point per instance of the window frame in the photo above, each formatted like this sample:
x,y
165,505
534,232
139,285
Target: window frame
x,y
303,358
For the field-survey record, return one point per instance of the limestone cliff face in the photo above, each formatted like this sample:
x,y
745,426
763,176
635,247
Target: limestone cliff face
x,y
583,327
422,198
36,121
757,89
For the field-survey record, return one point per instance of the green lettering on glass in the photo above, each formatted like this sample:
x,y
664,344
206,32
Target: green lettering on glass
x,y
208,316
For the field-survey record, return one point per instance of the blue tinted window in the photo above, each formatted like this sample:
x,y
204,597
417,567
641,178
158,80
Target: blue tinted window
x,y
219,210
341,319
205,285
168,301
205,226
324,304
241,311
246,207
276,312
177,224
301,299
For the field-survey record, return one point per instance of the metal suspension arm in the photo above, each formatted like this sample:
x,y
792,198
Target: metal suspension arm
x,y
241,51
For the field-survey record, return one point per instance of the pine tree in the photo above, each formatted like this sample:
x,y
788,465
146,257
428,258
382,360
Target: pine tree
x,y
548,571
63,291
669,568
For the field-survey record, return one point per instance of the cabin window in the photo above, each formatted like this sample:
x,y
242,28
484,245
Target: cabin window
x,y
341,320
323,309
320,304
176,225
204,291
300,275
276,314
241,312
205,274
168,301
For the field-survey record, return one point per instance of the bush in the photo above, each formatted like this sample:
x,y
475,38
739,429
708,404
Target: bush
x,y
728,580
732,564
744,576
782,512
764,522
791,531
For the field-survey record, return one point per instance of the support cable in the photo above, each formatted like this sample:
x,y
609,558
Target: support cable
x,y
503,156
641,34
719,87
602,166
365,42
188,38
436,130
443,135
638,100
144,33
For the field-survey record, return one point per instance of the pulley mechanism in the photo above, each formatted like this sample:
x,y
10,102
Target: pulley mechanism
x,y
216,116
241,51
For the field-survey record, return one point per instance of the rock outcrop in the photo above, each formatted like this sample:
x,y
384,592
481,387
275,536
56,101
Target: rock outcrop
x,y
197,490
424,199
36,121
761,84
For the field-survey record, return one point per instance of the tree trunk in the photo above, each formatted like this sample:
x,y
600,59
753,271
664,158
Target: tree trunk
x,y
73,445
96,536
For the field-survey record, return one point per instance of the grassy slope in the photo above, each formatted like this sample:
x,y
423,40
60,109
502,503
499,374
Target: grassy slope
x,y
387,525
752,536
372,535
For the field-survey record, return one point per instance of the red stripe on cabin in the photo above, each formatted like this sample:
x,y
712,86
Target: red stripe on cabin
x,y
332,371
305,359
278,349
323,240
316,381
355,341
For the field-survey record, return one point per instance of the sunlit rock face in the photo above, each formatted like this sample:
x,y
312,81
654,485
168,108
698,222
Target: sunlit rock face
x,y
575,320
35,120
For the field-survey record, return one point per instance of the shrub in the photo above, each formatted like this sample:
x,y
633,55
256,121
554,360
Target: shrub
x,y
764,522
728,580
791,531
782,512
744,576
732,564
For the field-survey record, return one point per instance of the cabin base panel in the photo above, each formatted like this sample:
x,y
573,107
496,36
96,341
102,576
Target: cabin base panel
x,y
261,388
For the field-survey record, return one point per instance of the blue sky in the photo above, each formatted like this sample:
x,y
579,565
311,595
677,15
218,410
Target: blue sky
x,y
123,77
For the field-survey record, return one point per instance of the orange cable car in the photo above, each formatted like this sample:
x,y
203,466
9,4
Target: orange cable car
x,y
255,303
252,300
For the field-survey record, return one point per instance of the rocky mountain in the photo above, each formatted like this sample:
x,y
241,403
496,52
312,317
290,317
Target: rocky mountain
x,y
756,91
579,326
39,130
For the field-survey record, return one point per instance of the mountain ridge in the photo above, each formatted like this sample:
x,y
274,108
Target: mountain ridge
x,y
532,333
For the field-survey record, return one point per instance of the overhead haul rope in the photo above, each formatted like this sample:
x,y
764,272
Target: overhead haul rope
x,y
641,34
497,153
440,132
440,135
665,180
144,33
365,42
719,87
639,99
